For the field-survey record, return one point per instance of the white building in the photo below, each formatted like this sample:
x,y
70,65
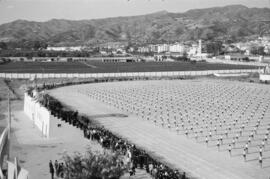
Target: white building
x,y
153,48
78,48
56,48
160,48
193,50
163,48
143,49
177,48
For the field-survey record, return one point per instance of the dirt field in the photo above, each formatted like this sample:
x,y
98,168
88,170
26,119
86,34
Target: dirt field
x,y
101,67
103,101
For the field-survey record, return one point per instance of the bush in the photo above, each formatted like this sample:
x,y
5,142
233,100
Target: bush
x,y
94,165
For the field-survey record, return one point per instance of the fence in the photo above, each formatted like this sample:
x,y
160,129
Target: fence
x,y
123,74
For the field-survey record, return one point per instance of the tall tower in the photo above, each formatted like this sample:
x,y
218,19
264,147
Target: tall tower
x,y
200,47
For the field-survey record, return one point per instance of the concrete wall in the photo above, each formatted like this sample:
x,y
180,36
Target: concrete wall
x,y
264,77
42,118
124,74
38,114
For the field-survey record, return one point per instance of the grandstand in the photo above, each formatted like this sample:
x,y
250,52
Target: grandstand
x,y
201,126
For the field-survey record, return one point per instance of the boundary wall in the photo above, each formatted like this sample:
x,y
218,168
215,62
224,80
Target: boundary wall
x,y
40,116
124,74
264,77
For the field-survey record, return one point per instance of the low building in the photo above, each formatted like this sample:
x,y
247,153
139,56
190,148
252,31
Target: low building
x,y
153,48
78,48
236,57
177,48
193,50
143,49
118,59
163,48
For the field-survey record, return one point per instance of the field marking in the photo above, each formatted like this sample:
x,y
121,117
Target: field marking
x,y
92,66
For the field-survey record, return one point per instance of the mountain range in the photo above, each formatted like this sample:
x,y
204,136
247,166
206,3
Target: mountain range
x,y
230,22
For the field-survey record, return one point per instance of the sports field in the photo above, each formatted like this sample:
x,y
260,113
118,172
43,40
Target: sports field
x,y
190,124
101,67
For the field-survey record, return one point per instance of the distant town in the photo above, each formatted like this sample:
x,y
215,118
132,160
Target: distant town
x,y
257,50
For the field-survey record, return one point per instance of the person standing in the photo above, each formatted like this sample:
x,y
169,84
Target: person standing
x,y
233,142
218,145
206,141
246,147
230,150
51,169
245,155
260,161
61,169
56,167
260,151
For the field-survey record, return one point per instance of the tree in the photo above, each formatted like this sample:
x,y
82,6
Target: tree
x,y
261,50
3,45
214,47
257,50
94,165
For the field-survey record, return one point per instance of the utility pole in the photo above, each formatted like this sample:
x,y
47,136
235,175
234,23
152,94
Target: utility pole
x,y
9,116
9,127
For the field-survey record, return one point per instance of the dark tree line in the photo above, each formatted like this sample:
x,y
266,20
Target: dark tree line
x,y
45,53
257,50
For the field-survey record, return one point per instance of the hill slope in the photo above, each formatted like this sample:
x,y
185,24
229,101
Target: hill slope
x,y
234,21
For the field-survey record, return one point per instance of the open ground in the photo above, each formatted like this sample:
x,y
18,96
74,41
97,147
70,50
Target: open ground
x,y
101,67
173,119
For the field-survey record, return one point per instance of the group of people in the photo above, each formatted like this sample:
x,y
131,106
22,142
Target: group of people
x,y
227,115
137,158
56,169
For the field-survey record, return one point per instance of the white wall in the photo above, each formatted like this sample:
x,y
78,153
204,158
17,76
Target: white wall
x,y
125,74
264,77
43,120
38,114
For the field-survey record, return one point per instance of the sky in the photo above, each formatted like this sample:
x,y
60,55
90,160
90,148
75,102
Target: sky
x,y
43,10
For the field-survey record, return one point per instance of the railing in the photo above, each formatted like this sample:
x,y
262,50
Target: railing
x,y
123,74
